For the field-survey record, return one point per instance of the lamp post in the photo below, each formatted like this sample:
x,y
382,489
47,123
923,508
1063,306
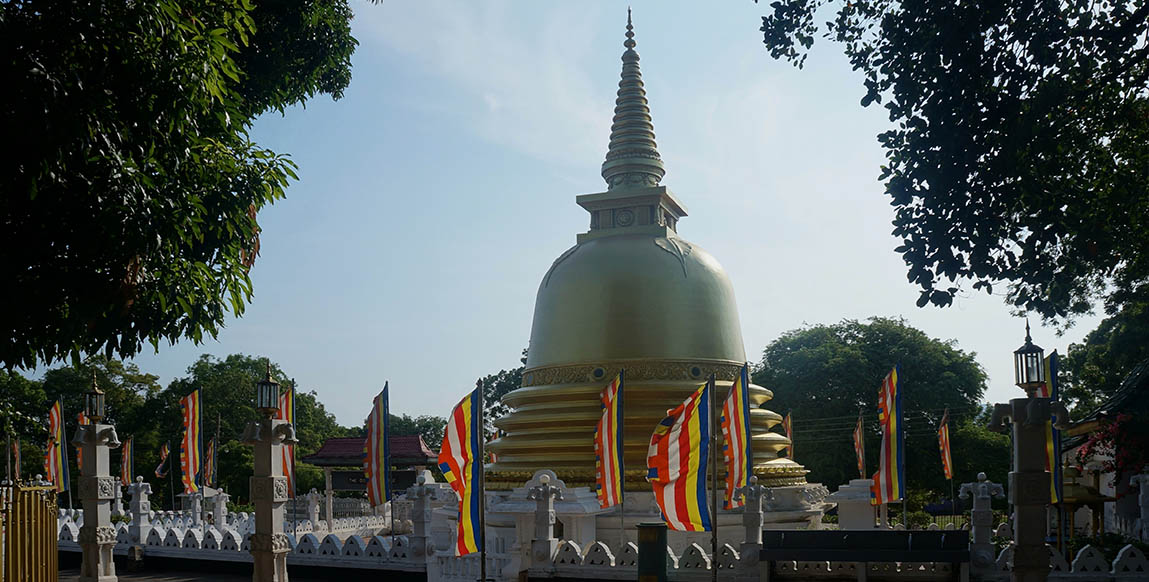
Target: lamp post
x,y
268,486
97,489
1029,481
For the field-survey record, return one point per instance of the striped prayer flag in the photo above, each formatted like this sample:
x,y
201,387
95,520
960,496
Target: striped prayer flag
x,y
889,481
162,468
860,447
377,450
287,452
209,464
1052,435
608,465
460,461
81,420
126,459
16,457
737,452
56,455
944,445
191,445
676,463
788,427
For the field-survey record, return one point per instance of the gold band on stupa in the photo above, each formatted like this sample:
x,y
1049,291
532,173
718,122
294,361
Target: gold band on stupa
x,y
630,295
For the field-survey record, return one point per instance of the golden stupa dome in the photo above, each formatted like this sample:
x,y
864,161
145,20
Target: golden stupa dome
x,y
630,295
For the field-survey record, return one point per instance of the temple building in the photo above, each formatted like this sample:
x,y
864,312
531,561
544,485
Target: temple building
x,y
631,294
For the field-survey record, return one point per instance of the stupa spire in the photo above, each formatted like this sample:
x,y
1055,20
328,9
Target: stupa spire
x,y
632,158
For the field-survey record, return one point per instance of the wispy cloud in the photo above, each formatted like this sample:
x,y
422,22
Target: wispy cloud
x,y
521,73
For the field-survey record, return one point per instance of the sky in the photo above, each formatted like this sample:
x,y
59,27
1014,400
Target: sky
x,y
434,196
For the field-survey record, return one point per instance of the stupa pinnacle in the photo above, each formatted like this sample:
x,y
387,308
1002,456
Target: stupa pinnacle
x,y
631,294
632,157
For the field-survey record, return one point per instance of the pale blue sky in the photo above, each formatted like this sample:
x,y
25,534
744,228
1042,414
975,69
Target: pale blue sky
x,y
434,196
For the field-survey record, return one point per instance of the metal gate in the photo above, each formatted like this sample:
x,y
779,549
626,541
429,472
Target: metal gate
x,y
28,516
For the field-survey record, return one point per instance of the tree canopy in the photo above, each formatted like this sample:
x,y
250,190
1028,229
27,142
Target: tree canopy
x,y
825,375
129,185
1094,369
1020,146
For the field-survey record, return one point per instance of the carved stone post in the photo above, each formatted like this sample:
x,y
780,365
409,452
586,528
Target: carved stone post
x,y
1029,481
420,495
219,509
981,554
141,508
269,546
544,544
313,498
753,495
97,490
1142,481
118,501
195,500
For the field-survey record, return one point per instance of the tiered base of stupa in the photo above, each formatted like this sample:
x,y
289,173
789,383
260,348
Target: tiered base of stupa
x,y
556,412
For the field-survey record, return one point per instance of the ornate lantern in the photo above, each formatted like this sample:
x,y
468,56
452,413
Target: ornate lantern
x,y
1029,365
267,394
94,402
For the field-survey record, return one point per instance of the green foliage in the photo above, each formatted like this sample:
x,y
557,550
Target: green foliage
x,y
826,374
1019,150
1093,370
429,427
918,520
20,403
495,386
133,191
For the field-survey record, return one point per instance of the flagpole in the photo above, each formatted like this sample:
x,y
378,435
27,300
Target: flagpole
x,y
713,485
387,460
171,481
482,484
621,460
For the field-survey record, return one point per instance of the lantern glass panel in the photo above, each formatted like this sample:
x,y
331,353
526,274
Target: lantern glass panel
x,y
94,405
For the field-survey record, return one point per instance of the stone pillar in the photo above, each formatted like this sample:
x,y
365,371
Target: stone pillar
x,y
195,500
313,498
854,508
544,544
118,501
219,509
1029,481
1142,481
981,550
269,546
420,495
141,508
97,490
330,498
753,495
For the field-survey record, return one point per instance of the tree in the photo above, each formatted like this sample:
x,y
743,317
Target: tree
x,y
1020,151
825,375
1094,369
497,385
429,427
129,203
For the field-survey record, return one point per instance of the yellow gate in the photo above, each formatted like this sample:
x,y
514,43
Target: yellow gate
x,y
29,531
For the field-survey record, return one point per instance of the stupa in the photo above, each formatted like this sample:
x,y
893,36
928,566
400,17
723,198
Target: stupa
x,y
633,295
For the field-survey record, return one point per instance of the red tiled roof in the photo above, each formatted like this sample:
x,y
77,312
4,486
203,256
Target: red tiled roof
x,y
348,452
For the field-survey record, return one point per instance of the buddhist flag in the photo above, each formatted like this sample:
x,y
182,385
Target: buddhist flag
x,y
889,481
608,465
191,445
860,447
676,463
81,420
736,450
1052,435
460,461
126,461
788,427
944,445
377,450
16,457
162,468
56,452
287,412
209,465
